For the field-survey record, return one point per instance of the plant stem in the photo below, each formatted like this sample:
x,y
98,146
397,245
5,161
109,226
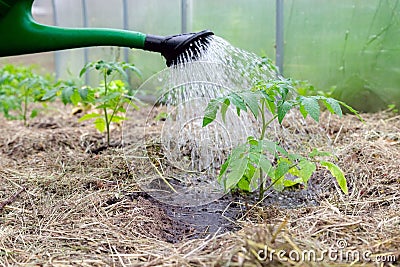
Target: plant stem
x,y
114,110
25,108
105,108
261,191
263,129
264,126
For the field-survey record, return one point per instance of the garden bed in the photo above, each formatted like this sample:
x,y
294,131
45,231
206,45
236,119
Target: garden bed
x,y
66,201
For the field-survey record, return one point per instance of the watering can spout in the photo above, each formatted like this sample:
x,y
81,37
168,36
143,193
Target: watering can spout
x,y
177,48
21,34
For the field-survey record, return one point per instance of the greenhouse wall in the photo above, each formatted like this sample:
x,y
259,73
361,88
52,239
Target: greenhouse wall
x,y
350,48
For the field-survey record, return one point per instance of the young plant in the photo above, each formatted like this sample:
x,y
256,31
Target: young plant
x,y
19,88
109,98
250,165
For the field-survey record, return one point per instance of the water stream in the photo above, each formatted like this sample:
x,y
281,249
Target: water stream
x,y
221,69
192,154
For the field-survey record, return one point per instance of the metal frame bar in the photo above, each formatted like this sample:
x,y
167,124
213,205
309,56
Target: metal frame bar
x,y
279,35
85,25
56,53
184,16
125,21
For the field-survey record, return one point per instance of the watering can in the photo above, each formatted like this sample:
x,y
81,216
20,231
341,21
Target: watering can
x,y
21,34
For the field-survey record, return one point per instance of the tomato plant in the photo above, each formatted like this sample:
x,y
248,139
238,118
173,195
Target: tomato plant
x,y
109,98
19,88
250,165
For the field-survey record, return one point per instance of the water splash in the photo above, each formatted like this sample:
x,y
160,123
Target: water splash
x,y
220,70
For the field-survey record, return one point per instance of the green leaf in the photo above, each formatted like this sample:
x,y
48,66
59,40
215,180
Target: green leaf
x,y
311,106
120,109
295,171
270,102
273,148
265,165
110,97
238,152
338,174
100,124
251,100
352,110
50,94
244,184
83,93
333,106
211,112
303,111
255,152
238,169
307,168
75,98
238,102
224,109
134,69
289,183
118,119
66,94
161,116
283,109
120,70
224,168
34,113
90,116
106,105
85,69
132,104
316,153
282,168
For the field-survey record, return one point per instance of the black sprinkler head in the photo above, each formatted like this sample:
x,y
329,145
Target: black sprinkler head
x,y
172,47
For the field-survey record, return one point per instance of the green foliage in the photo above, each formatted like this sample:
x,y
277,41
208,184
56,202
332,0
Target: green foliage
x,y
161,116
251,165
109,98
19,88
392,108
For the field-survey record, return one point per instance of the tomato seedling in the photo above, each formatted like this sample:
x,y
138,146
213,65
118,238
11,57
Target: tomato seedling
x,y
250,165
19,88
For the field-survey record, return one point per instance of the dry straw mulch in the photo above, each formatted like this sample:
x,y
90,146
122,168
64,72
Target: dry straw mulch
x,y
62,206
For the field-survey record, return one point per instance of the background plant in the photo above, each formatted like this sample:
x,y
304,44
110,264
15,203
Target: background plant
x,y
20,86
109,98
250,165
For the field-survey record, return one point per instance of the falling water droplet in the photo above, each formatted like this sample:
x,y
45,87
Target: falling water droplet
x,y
220,69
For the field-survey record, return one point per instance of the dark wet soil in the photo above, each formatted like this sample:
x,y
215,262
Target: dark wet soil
x,y
221,215
197,222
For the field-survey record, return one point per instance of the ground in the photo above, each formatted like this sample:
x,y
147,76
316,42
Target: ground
x,y
65,200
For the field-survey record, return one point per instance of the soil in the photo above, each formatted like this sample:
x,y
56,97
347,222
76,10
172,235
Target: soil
x,y
67,199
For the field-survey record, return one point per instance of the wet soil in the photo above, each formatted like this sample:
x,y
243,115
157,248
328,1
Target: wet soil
x,y
221,215
196,222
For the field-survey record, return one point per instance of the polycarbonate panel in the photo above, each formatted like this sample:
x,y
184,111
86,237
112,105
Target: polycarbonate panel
x,y
249,24
352,45
156,17
69,62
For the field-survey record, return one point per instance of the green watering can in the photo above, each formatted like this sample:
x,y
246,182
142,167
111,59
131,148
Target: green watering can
x,y
21,34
